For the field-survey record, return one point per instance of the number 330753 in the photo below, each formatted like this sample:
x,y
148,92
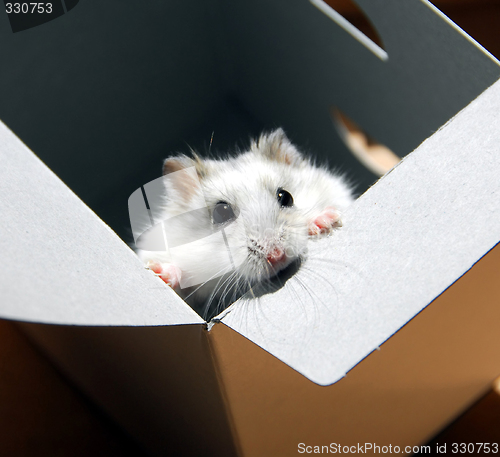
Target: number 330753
x,y
28,8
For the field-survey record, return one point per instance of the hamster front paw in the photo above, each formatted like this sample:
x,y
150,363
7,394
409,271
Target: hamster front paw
x,y
325,222
169,273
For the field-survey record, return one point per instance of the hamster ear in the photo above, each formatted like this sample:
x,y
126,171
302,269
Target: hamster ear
x,y
180,179
277,147
173,164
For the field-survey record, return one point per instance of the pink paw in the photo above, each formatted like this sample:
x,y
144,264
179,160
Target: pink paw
x,y
169,273
325,222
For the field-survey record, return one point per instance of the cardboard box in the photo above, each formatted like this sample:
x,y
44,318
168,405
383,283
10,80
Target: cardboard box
x,y
104,88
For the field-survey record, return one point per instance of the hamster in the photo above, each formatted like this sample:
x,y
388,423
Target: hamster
x,y
236,222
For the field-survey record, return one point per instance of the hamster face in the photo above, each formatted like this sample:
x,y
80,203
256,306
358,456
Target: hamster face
x,y
250,215
256,203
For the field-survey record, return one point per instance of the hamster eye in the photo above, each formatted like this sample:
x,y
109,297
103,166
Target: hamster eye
x,y
222,213
284,197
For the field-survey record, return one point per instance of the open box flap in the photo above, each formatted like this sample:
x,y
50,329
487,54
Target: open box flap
x,y
61,264
403,243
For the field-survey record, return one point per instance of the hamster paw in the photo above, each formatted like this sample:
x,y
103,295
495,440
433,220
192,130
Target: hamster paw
x,y
325,222
169,273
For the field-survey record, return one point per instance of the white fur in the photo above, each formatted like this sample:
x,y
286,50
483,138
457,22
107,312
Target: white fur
x,y
249,183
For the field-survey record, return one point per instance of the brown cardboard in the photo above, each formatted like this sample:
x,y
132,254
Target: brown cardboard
x,y
158,382
423,377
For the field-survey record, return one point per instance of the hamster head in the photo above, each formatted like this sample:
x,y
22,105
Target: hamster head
x,y
245,218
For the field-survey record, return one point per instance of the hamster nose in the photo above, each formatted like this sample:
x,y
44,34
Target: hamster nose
x,y
275,255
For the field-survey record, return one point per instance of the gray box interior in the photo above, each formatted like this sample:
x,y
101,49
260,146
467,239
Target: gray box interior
x,y
105,92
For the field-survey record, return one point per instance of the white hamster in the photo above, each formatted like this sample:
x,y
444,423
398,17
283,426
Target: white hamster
x,y
236,222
